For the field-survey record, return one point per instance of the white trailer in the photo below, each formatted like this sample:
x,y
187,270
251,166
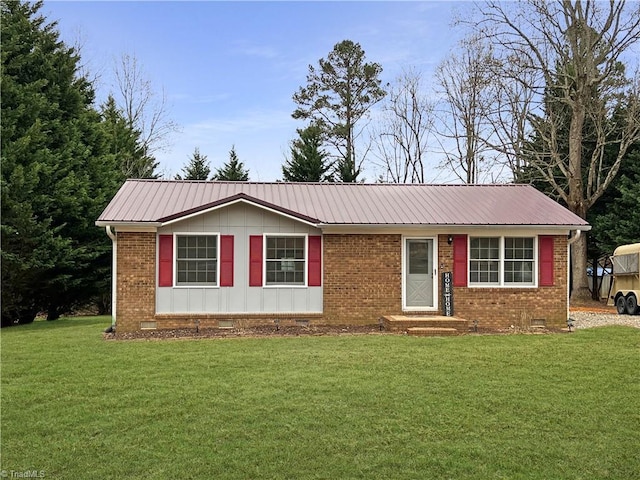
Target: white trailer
x,y
625,290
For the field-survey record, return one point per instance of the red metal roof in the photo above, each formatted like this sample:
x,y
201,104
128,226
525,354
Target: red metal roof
x,y
159,201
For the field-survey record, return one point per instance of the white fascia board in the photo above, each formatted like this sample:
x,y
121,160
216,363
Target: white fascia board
x,y
450,229
130,226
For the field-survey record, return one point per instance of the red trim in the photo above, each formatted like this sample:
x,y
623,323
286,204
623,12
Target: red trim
x,y
226,260
165,260
314,261
545,261
255,260
459,260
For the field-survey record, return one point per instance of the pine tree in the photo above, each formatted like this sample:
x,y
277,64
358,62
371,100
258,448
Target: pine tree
x,y
346,170
233,170
308,161
197,168
338,95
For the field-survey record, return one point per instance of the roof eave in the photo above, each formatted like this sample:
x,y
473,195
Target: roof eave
x,y
449,226
126,224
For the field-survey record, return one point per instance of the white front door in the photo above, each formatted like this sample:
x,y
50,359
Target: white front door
x,y
419,272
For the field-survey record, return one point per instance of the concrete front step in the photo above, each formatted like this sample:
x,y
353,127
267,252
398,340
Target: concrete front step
x,y
432,331
404,322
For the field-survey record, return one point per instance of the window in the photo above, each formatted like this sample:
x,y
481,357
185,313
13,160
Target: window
x,y
484,260
518,260
197,260
285,260
501,261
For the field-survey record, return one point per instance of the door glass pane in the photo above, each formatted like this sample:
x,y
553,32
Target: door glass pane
x,y
418,258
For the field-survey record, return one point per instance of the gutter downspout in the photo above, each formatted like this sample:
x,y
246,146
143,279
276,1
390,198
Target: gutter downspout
x,y
114,276
571,241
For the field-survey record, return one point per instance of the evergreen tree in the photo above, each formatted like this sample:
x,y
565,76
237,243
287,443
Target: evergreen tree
x,y
346,170
233,170
55,175
616,219
197,168
124,144
308,161
340,93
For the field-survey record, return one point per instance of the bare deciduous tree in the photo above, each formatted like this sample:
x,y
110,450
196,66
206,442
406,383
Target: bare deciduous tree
x,y
508,115
145,109
571,55
465,83
402,136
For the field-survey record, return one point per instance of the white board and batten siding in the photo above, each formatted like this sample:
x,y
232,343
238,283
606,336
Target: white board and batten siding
x,y
240,220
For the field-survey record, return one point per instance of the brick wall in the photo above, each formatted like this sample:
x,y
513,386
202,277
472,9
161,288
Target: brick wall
x,y
239,320
136,294
503,307
362,282
362,277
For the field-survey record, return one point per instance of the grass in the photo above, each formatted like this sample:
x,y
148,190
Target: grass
x,y
564,406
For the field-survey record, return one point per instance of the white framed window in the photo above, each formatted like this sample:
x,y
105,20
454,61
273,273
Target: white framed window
x,y
285,260
196,259
484,260
502,261
519,261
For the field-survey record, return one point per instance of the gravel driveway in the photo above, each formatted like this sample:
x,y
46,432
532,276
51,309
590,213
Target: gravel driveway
x,y
598,319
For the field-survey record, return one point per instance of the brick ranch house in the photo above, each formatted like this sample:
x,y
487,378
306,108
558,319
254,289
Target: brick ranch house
x,y
221,254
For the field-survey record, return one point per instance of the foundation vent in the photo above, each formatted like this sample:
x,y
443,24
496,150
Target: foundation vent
x,y
148,325
225,324
538,323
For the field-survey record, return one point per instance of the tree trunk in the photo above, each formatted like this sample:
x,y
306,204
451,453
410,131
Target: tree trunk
x,y
577,204
53,312
580,291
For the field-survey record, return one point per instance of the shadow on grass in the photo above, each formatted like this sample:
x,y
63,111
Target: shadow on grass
x,y
63,322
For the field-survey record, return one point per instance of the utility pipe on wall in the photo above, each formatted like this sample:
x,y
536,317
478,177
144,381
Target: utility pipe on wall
x,y
114,271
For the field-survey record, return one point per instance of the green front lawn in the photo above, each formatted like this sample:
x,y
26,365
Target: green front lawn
x,y
556,406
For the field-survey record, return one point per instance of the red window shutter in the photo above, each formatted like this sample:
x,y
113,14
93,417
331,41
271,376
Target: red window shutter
x,y
255,260
165,261
226,260
459,260
314,259
545,260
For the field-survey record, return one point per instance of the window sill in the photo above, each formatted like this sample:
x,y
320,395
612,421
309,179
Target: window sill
x,y
480,286
195,286
285,286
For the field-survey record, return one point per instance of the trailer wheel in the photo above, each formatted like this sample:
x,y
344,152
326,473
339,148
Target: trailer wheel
x,y
632,304
621,305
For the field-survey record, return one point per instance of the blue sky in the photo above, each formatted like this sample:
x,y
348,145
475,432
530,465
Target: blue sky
x,y
229,69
